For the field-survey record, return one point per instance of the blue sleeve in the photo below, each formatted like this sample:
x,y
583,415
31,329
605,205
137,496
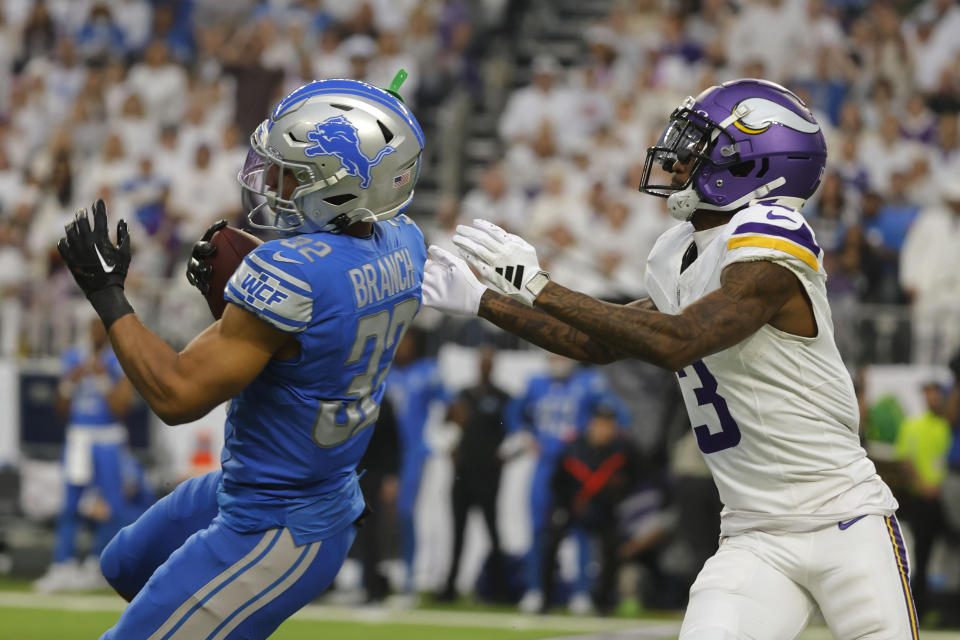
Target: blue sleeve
x,y
274,287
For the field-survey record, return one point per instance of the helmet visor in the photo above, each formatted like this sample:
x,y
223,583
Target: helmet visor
x,y
684,141
268,189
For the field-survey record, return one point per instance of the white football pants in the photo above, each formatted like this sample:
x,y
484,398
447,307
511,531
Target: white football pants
x,y
764,586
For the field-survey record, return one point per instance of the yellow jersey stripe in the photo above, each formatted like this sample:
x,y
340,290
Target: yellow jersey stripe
x,y
914,630
776,243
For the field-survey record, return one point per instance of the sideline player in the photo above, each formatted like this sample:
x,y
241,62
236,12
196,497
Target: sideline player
x,y
413,386
302,352
556,408
738,309
94,396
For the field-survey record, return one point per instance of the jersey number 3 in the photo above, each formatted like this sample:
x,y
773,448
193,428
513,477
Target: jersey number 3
x,y
729,434
386,329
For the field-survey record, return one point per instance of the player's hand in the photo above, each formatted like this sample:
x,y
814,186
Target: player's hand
x,y
95,262
449,285
199,271
506,262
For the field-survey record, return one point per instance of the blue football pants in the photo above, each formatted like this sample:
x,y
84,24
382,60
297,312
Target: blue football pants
x,y
411,475
107,478
217,584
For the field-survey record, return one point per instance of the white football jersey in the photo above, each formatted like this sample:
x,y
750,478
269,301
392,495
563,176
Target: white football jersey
x,y
775,416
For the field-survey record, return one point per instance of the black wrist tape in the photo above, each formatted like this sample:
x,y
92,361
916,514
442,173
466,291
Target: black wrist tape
x,y
110,304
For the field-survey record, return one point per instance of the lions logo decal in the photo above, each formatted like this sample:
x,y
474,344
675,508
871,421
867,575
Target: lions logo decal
x,y
338,137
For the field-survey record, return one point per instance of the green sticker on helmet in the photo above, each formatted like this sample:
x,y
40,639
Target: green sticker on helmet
x,y
396,83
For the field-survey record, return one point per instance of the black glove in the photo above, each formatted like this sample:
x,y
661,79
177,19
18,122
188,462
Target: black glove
x,y
199,271
97,265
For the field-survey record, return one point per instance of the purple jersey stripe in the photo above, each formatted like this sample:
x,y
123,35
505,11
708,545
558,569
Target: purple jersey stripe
x,y
801,236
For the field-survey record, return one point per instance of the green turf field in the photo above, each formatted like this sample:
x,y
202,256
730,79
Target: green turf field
x,y
30,616
42,624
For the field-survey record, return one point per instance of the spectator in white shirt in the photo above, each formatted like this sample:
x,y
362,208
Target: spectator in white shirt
x,y
544,100
620,239
110,170
13,263
946,151
389,59
139,133
496,201
64,76
886,152
526,162
330,61
135,19
359,50
559,222
199,195
161,83
169,155
763,30
930,274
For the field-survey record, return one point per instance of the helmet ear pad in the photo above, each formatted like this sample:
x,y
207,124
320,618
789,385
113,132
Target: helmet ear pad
x,y
723,184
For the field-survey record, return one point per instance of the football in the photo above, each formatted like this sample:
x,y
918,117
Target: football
x,y
232,246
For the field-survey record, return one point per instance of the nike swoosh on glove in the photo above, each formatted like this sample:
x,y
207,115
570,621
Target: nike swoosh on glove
x,y
449,285
504,261
98,266
92,258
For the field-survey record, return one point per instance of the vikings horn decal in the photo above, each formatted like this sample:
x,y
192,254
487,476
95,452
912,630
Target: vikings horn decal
x,y
764,113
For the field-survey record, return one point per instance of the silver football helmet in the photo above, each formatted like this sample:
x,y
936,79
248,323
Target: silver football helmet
x,y
332,153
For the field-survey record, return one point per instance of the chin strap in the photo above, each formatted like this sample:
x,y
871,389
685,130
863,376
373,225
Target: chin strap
x,y
683,204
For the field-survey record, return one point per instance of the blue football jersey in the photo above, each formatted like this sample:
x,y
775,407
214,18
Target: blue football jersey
x,y
557,410
88,402
412,390
295,434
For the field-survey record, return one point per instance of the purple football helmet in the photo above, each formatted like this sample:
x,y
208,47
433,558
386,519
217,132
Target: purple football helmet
x,y
748,139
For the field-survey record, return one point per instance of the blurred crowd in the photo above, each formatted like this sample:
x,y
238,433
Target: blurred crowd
x,y
148,105
883,79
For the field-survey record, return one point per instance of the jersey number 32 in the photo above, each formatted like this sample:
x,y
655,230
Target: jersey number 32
x,y
386,329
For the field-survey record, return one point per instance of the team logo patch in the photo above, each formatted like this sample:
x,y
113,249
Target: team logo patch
x,y
338,137
763,113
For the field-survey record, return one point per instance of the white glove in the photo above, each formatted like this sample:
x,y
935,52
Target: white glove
x,y
506,262
449,285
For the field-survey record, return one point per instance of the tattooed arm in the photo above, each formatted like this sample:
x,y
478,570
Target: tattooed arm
x,y
750,295
548,332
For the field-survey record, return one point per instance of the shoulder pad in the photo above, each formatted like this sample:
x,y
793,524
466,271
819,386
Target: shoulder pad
x,y
276,291
773,231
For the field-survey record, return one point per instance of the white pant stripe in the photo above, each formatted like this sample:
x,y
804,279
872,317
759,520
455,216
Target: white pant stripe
x,y
202,593
269,596
281,558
